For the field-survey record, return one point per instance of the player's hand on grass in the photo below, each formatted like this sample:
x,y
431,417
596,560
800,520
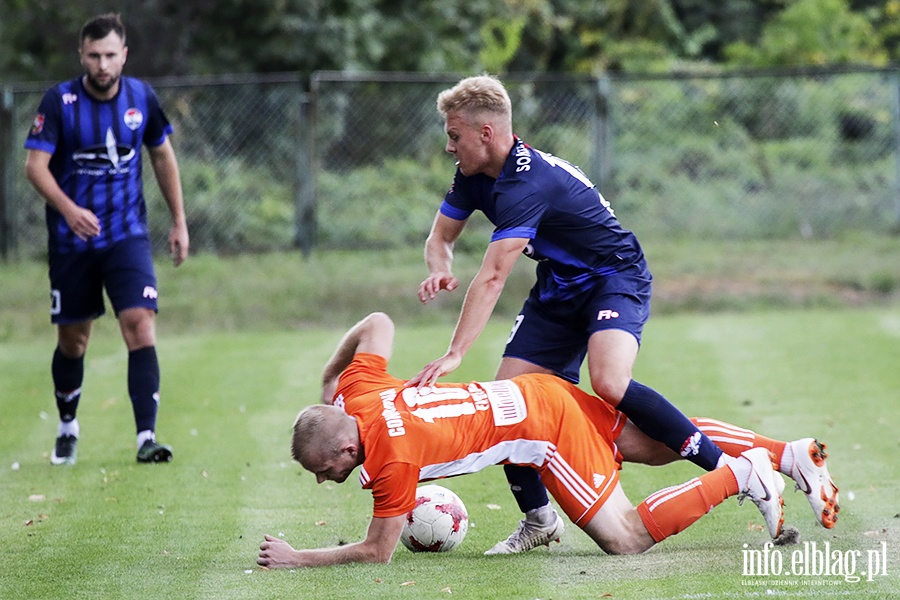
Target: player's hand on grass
x,y
428,376
275,553
436,282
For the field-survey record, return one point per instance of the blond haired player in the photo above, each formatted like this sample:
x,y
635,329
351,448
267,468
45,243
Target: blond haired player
x,y
401,435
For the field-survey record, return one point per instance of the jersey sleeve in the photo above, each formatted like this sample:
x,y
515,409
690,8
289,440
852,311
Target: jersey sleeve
x,y
363,373
394,490
44,132
457,203
158,126
519,212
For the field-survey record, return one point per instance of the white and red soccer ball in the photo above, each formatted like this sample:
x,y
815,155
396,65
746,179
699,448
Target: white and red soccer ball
x,y
438,522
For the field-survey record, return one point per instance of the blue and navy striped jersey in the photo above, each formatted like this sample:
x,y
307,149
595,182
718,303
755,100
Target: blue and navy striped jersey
x,y
575,237
96,157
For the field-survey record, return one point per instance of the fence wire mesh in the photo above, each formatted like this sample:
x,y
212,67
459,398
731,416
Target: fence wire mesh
x,y
359,161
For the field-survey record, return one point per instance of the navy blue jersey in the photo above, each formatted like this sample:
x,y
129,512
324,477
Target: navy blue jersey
x,y
96,157
575,237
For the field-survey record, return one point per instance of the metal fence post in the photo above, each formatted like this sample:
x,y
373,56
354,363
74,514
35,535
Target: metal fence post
x,y
602,155
6,141
895,120
305,206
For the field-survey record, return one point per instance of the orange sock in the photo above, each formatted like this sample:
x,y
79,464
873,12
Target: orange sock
x,y
733,439
675,508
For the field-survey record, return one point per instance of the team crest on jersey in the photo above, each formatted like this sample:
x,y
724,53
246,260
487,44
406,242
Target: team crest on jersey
x,y
133,118
38,125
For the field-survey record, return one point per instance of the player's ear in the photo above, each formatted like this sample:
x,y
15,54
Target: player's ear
x,y
351,451
487,133
124,54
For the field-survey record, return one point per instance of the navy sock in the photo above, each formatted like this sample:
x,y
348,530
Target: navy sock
x,y
68,373
659,419
526,487
143,386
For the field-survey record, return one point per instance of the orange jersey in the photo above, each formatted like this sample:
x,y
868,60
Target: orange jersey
x,y
411,435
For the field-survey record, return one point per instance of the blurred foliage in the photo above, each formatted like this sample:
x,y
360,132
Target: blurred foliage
x,y
38,38
813,32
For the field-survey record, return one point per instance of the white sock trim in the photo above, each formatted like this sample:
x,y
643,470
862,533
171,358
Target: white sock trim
x,y
787,459
741,470
69,428
145,435
543,515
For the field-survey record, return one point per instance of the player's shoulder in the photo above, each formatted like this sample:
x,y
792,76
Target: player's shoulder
x,y
64,88
469,184
137,84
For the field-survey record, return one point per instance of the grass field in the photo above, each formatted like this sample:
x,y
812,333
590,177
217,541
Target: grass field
x,y
108,528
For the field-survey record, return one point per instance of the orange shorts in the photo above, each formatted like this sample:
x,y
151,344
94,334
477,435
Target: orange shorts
x,y
582,466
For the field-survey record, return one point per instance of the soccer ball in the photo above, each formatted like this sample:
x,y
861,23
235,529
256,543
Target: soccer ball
x,y
438,522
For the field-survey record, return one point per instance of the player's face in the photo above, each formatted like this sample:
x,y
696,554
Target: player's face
x,y
467,143
335,468
103,60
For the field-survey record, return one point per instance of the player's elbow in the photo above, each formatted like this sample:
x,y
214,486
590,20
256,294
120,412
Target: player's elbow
x,y
492,282
378,554
32,169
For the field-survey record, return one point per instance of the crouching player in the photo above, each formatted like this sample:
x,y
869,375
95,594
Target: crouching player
x,y
402,435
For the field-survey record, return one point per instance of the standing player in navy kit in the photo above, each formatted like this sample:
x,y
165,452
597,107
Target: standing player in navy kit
x,y
591,298
84,158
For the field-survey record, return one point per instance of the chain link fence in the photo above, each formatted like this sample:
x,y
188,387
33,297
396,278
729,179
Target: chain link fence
x,y
242,147
358,160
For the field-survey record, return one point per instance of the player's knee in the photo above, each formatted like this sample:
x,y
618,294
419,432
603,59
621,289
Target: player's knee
x,y
629,546
611,389
138,327
632,538
73,341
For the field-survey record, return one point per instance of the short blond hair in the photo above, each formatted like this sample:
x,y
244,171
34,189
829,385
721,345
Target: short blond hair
x,y
476,95
314,434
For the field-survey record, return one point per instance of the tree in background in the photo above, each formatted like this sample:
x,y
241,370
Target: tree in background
x,y
812,32
38,38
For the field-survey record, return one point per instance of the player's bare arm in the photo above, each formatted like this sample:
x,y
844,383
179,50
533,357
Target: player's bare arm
x,y
439,257
81,221
481,298
378,547
373,335
165,167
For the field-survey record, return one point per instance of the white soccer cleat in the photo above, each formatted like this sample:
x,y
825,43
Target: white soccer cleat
x,y
529,535
812,478
764,488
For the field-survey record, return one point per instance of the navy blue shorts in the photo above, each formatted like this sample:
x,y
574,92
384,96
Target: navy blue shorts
x,y
554,334
77,280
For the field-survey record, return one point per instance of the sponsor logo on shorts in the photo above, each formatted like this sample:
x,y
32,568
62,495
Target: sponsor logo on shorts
x,y
150,292
607,314
599,479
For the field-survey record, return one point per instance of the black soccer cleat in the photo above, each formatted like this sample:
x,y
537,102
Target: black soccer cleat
x,y
152,451
65,452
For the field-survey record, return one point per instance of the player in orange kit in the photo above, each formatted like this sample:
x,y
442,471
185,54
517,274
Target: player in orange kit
x,y
401,435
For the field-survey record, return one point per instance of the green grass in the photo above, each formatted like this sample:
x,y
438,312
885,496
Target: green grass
x,y
278,291
109,528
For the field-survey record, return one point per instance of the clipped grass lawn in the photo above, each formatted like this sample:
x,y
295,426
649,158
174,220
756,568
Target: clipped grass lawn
x,y
109,528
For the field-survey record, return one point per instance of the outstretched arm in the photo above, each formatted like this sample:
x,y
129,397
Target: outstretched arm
x,y
481,297
165,167
439,257
378,547
373,335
